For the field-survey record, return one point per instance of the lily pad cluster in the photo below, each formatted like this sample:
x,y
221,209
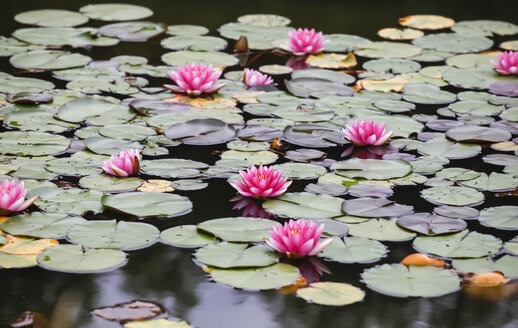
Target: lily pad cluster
x,y
454,149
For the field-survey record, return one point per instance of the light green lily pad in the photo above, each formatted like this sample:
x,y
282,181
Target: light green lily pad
x,y
41,225
271,277
331,293
239,229
380,229
507,264
147,204
354,250
186,236
304,205
227,255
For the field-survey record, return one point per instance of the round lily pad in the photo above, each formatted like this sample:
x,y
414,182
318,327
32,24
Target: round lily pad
x,y
431,224
304,205
354,250
189,184
270,277
239,229
201,132
115,11
227,255
427,22
72,201
264,20
79,109
147,204
194,42
300,170
75,259
380,229
460,244
32,143
41,225
507,264
104,182
172,167
51,18
415,281
456,196
184,57
386,49
110,234
493,182
374,207
187,30
372,169
453,42
484,27
448,149
132,31
331,293
48,60
500,217
186,236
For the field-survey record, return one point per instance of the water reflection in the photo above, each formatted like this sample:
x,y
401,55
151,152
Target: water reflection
x,y
251,207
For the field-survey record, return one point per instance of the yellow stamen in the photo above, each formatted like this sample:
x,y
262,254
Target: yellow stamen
x,y
295,232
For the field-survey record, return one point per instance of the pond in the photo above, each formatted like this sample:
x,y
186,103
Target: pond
x,y
79,86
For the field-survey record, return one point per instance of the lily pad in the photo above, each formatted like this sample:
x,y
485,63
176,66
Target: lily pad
x,y
304,205
75,259
380,229
431,224
372,169
48,60
148,204
184,57
32,143
354,250
386,49
51,18
201,132
271,277
104,182
415,281
115,11
374,207
132,31
41,225
186,236
71,201
331,293
500,217
453,42
507,264
461,244
110,234
227,255
172,167
239,229
456,196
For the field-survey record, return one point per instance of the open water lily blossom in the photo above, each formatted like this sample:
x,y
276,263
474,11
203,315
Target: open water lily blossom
x,y
261,182
251,78
365,133
507,63
195,79
125,164
304,41
298,238
12,197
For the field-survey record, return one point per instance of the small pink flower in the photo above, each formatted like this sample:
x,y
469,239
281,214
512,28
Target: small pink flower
x,y
195,79
12,197
304,41
297,238
125,164
252,78
366,133
507,63
261,182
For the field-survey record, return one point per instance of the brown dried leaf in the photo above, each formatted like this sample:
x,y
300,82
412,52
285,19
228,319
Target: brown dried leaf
x,y
123,312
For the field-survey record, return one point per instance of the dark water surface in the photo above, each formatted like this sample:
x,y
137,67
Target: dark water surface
x,y
169,277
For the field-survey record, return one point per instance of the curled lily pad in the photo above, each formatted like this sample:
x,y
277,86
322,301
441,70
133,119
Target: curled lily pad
x,y
75,259
427,22
232,255
110,234
331,293
146,204
460,244
431,224
416,281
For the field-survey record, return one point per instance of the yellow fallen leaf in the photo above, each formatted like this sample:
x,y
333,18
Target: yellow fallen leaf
x,y
427,22
392,33
26,246
332,60
214,103
393,84
505,146
156,185
422,259
248,97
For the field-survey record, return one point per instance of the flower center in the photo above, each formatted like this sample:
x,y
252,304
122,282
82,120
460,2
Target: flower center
x,y
5,191
295,232
262,176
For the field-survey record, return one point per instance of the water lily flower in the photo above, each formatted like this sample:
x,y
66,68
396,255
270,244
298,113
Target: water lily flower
x,y
12,197
252,78
195,79
298,238
507,63
366,133
261,182
125,164
304,41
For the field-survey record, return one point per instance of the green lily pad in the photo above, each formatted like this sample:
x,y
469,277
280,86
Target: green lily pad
x,y
253,157
343,42
189,184
172,167
110,234
448,149
512,246
32,143
146,204
507,264
430,224
500,217
270,277
194,43
51,18
300,170
374,207
372,169
132,31
48,60
41,225
79,109
184,57
71,201
186,236
460,244
331,293
75,259
494,182
104,182
239,229
201,132
386,49
304,205
264,20
63,36
354,250
415,281
472,133
11,261
326,74
187,30
108,146
12,84
74,166
227,255
421,93
394,66
380,229
453,42
484,27
473,78
115,11
456,196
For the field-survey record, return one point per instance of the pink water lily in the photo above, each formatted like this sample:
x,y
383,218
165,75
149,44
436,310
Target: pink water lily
x,y
12,197
304,41
366,133
125,164
195,79
251,78
298,238
507,63
261,182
